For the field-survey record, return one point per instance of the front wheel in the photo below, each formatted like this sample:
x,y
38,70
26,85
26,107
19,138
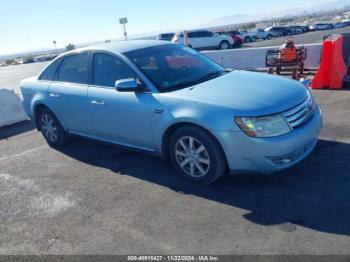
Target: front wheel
x,y
269,37
224,45
196,155
51,128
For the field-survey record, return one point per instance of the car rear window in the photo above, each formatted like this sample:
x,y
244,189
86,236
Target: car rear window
x,y
167,36
50,71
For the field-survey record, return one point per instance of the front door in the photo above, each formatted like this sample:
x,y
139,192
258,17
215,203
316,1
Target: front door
x,y
119,117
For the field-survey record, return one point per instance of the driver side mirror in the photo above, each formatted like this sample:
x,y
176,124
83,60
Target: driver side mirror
x,y
127,85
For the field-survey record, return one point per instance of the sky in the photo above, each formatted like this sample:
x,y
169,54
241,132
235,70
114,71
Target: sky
x,y
34,24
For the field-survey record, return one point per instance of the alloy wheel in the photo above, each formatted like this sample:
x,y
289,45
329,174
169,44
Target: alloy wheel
x,y
49,128
192,156
224,45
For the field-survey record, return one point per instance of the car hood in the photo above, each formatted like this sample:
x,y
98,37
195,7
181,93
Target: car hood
x,y
248,93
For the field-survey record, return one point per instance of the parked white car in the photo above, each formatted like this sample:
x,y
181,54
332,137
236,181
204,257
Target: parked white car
x,y
203,39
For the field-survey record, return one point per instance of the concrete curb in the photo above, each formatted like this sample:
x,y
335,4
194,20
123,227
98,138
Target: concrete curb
x,y
11,109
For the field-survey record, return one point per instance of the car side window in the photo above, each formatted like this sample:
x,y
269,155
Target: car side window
x,y
74,69
207,34
50,71
107,69
192,35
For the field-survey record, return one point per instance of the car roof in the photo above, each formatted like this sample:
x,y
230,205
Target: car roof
x,y
193,31
126,46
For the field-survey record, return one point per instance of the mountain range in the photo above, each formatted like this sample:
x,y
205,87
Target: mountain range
x,y
244,18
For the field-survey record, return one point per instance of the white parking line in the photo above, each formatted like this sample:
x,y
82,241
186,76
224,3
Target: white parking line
x,y
23,153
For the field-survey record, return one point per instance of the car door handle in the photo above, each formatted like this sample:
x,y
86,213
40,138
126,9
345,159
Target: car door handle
x,y
98,102
54,95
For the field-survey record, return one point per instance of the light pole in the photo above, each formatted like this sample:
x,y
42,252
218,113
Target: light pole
x,y
124,21
54,42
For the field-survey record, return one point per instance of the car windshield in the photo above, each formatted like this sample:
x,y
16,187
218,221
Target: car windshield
x,y
172,67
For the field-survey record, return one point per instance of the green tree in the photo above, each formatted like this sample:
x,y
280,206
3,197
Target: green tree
x,y
70,47
9,61
247,26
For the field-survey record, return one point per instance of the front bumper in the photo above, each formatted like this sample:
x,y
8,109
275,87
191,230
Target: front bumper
x,y
267,155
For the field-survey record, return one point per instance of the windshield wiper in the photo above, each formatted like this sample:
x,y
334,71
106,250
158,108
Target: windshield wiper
x,y
212,74
189,83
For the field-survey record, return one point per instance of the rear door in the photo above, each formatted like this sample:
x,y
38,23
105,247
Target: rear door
x,y
68,92
209,39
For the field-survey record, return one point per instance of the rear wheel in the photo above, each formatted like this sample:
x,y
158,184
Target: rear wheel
x,y
269,37
196,155
51,128
224,45
247,39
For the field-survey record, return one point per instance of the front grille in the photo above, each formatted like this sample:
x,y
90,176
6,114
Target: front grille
x,y
300,113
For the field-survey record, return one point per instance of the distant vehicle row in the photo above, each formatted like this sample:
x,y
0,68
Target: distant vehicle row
x,y
205,39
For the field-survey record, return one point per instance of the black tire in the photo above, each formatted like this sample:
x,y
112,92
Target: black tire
x,y
278,70
224,45
247,39
212,153
269,37
61,137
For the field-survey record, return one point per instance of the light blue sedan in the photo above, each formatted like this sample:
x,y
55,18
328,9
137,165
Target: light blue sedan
x,y
169,100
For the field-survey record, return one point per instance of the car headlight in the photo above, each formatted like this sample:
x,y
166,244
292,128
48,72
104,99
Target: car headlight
x,y
266,126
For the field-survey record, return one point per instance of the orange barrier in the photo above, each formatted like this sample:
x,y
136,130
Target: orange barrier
x,y
332,69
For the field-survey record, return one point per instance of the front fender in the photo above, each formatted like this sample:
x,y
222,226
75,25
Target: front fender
x,y
211,119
